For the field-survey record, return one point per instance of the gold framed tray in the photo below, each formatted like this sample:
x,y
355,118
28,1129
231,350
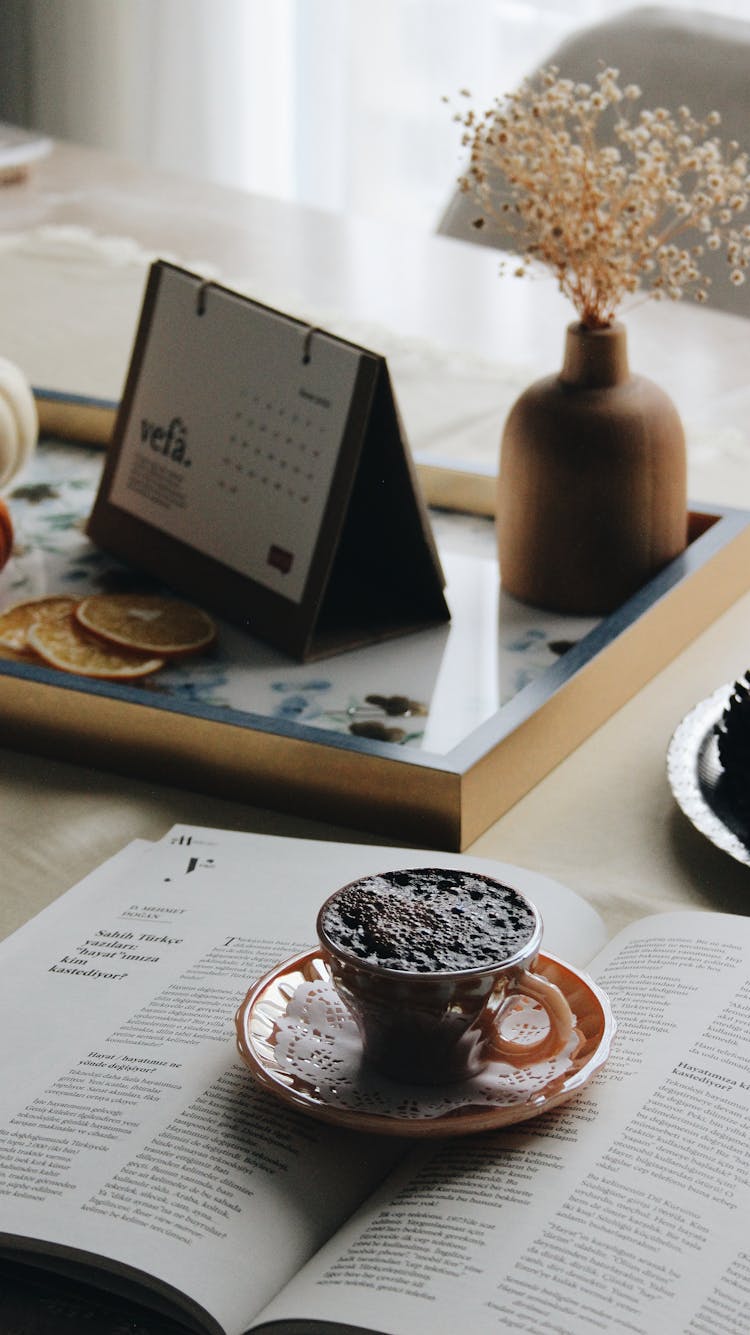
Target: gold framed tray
x,y
428,738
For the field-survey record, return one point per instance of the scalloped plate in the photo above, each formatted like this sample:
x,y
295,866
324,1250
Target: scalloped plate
x,y
695,777
268,1007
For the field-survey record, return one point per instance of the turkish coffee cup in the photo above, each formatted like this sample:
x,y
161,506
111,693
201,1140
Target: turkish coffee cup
x,y
429,961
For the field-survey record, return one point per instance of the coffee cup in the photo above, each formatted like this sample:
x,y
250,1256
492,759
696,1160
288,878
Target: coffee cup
x,y
428,961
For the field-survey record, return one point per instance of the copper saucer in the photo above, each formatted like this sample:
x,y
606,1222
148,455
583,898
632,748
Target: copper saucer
x,y
268,1011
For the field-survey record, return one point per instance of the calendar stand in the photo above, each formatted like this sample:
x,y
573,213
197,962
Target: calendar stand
x,y
259,466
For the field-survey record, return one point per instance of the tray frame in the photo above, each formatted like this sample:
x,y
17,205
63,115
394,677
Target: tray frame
x,y
439,801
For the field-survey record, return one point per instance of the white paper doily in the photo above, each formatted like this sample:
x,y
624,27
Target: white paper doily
x,y
317,1039
298,1041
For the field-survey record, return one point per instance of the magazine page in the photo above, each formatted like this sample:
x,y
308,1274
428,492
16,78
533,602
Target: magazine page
x,y
627,1210
130,1130
573,930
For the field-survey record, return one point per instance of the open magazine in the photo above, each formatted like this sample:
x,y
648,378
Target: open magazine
x,y
136,1150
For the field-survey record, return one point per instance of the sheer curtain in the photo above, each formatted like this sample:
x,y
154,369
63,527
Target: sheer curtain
x,y
180,84
336,103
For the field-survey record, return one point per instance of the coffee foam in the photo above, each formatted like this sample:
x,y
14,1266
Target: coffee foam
x,y
429,920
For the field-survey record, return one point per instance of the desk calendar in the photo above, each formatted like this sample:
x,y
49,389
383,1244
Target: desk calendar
x,y
259,466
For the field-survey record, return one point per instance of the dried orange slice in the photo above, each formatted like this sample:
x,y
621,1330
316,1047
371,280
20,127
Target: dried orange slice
x,y
64,644
16,621
17,656
148,622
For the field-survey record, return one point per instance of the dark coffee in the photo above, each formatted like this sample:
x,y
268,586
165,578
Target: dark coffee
x,y
429,920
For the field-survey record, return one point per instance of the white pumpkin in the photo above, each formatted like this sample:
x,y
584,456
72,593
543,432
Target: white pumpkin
x,y
19,420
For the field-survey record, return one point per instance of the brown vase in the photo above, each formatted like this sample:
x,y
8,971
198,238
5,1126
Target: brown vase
x,y
592,497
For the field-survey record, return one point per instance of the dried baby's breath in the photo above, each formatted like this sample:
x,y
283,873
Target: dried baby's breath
x,y
607,211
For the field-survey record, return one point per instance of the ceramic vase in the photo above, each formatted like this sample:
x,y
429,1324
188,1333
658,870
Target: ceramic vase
x,y
592,498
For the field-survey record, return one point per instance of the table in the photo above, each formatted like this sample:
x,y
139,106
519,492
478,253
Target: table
x,y
604,821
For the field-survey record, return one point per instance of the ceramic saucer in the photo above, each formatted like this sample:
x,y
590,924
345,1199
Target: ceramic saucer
x,y
301,1045
695,777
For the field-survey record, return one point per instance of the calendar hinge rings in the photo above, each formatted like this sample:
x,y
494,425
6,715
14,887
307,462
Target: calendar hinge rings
x,y
306,354
200,296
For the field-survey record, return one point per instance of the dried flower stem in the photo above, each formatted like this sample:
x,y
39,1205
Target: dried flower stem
x,y
604,216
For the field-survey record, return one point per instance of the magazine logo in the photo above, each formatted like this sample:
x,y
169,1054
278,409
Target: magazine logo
x,y
170,441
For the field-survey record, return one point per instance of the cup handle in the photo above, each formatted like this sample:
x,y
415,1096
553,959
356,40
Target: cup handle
x,y
561,1020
